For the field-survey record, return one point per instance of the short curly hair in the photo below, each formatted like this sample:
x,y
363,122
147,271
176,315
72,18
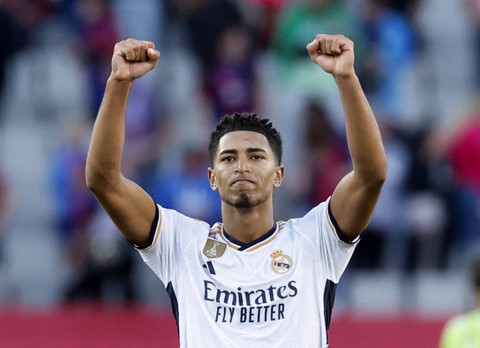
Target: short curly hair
x,y
248,122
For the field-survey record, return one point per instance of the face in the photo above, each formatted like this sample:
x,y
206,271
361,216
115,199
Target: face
x,y
245,170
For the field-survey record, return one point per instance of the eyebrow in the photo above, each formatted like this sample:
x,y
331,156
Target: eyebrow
x,y
234,152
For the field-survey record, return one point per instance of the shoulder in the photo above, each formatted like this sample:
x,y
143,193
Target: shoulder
x,y
175,217
315,220
313,216
171,226
174,222
320,222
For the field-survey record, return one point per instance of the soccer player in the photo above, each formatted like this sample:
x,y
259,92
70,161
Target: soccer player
x,y
247,281
464,330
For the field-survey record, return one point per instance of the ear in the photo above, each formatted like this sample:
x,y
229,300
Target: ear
x,y
279,172
211,178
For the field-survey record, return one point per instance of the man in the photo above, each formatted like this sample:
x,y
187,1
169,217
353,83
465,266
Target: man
x,y
248,281
464,330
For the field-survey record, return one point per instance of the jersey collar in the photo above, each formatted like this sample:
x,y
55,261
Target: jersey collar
x,y
241,246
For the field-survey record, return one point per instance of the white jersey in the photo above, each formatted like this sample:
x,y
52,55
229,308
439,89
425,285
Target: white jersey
x,y
275,292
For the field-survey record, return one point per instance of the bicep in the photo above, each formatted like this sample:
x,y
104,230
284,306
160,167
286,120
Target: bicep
x,y
131,209
353,203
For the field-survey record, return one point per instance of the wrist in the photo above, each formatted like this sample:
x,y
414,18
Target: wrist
x,y
118,87
116,82
345,78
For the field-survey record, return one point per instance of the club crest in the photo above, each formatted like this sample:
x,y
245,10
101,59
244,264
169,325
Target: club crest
x,y
214,249
281,263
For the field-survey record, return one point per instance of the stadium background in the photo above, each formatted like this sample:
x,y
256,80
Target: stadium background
x,y
67,280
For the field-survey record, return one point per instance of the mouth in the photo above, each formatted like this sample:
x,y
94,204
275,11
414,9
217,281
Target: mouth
x,y
241,182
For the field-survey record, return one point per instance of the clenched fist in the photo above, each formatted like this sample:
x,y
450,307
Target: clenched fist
x,y
133,58
333,53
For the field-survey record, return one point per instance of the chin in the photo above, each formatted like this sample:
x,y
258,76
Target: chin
x,y
244,201
244,204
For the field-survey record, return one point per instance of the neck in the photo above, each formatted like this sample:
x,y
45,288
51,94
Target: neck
x,y
247,224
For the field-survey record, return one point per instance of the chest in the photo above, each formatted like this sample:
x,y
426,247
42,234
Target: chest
x,y
268,273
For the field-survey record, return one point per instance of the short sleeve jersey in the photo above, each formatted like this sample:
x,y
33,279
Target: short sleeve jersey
x,y
275,292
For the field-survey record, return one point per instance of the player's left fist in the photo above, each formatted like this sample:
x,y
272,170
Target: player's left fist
x,y
333,53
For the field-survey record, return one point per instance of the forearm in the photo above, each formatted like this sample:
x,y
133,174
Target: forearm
x,y
363,135
106,147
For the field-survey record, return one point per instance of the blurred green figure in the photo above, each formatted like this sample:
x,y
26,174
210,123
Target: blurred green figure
x,y
463,331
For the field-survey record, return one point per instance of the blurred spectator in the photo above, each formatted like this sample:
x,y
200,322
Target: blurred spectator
x,y
405,6
230,81
14,28
473,9
74,205
7,289
6,210
385,239
464,156
98,37
188,190
327,154
9,29
391,50
444,83
464,330
426,220
105,265
427,216
147,132
298,22
206,21
262,15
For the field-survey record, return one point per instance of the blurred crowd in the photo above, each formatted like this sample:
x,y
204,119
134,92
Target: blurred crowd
x,y
220,56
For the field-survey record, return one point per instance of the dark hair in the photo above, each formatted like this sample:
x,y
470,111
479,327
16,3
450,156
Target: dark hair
x,y
248,122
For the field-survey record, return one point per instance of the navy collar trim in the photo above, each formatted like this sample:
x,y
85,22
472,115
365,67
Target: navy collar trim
x,y
244,246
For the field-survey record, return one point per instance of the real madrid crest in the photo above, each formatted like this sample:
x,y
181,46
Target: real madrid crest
x,y
281,263
214,248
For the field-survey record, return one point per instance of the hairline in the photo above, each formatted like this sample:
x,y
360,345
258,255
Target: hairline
x,y
277,160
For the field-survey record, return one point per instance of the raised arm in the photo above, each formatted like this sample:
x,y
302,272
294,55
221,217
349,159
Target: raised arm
x,y
354,198
128,205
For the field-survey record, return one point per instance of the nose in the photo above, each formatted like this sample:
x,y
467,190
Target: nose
x,y
242,167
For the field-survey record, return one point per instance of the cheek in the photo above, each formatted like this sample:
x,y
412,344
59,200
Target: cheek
x,y
270,180
221,179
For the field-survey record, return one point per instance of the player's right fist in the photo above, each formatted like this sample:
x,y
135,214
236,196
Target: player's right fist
x,y
133,58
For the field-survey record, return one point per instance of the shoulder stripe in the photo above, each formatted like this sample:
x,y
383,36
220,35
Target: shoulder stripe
x,y
339,235
154,230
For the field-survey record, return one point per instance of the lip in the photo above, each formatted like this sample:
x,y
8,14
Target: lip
x,y
241,181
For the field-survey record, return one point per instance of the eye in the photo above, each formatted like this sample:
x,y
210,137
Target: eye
x,y
256,157
227,159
